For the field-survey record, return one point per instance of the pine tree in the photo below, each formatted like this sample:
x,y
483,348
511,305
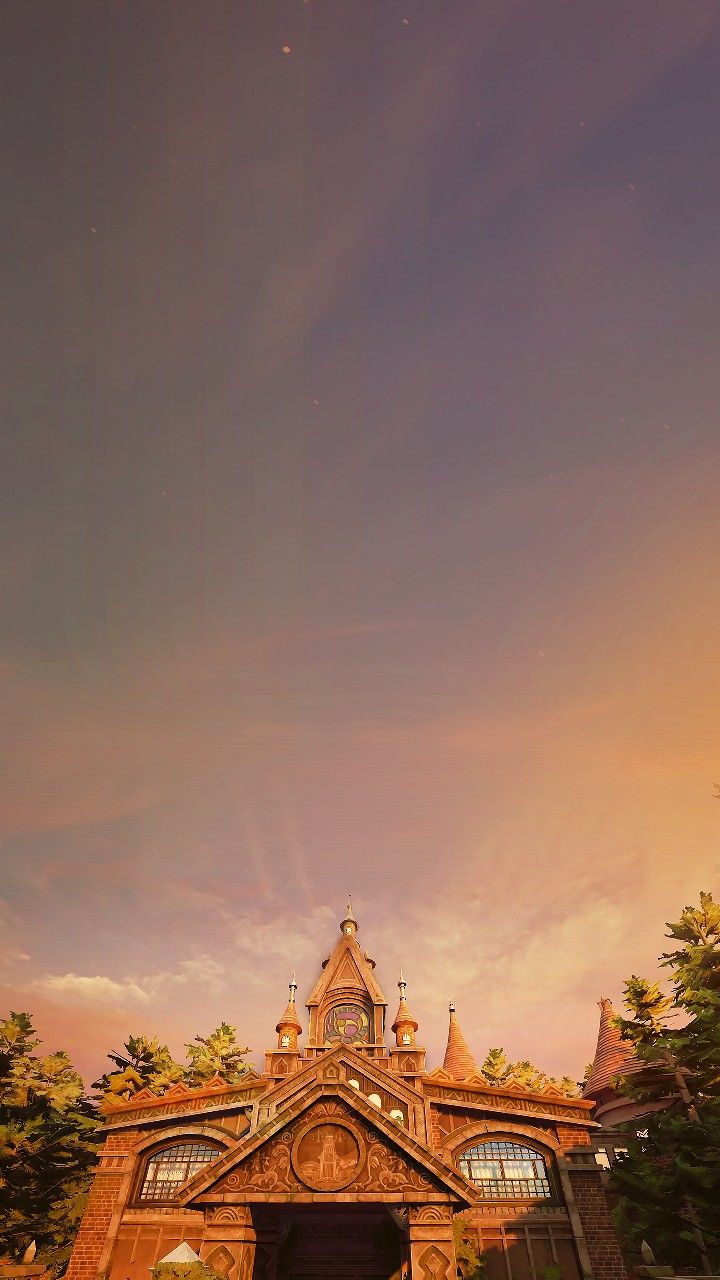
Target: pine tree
x,y
47,1145
669,1183
218,1054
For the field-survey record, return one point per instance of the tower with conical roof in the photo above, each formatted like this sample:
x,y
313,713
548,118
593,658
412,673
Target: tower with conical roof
x,y
407,1058
285,1058
458,1062
613,1057
346,1005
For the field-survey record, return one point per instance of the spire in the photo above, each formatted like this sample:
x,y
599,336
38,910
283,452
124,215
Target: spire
x,y
404,1025
459,1062
289,1026
349,924
613,1055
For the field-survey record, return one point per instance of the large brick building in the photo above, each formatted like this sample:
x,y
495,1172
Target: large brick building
x,y
348,1158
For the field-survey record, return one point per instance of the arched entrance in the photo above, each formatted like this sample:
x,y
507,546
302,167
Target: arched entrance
x,y
328,1242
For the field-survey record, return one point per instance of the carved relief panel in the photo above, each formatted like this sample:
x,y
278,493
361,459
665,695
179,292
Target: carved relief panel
x,y
326,1150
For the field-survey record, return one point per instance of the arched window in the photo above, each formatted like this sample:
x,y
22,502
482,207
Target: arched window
x,y
167,1170
506,1171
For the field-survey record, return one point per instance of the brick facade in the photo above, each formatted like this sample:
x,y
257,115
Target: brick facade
x,y
348,1139
602,1241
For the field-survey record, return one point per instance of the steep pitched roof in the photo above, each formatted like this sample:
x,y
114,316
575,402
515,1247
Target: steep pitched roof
x,y
289,1018
458,1061
347,966
403,1017
613,1055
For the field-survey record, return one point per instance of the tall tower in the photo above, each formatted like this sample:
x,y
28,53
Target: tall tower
x,y
346,1005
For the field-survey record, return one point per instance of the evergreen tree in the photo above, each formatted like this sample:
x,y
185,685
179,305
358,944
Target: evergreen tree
x,y
669,1183
47,1145
218,1054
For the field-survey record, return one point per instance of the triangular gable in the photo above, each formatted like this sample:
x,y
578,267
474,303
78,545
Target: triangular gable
x,y
342,1061
347,973
346,957
324,1144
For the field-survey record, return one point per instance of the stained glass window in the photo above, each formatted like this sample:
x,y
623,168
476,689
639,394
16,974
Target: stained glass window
x,y
347,1023
168,1169
506,1171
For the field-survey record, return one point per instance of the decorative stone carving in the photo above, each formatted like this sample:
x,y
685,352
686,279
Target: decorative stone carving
x,y
387,1171
234,1260
227,1213
433,1263
328,1156
495,1103
178,1107
431,1213
220,1260
268,1169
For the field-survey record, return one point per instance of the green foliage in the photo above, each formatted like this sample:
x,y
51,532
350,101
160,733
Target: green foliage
x,y
669,1182
218,1054
551,1272
146,1063
47,1145
183,1271
472,1265
499,1071
496,1068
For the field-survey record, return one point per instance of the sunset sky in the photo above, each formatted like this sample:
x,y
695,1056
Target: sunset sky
x,y
361,507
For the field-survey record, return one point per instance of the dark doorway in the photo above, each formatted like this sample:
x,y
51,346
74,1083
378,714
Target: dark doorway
x,y
328,1242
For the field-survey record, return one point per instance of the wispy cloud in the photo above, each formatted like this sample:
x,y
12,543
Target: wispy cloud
x,y
203,972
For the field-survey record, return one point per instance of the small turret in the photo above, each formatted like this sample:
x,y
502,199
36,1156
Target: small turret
x,y
349,924
289,1026
404,1025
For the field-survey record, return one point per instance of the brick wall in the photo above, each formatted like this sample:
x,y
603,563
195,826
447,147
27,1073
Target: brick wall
x,y
570,1135
602,1242
108,1191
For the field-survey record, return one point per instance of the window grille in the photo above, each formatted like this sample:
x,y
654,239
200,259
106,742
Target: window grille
x,y
506,1171
167,1170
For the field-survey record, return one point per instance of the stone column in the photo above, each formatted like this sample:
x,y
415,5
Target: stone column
x,y
432,1249
228,1245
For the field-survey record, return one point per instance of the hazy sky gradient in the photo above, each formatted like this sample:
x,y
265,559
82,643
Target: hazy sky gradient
x,y
361,461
